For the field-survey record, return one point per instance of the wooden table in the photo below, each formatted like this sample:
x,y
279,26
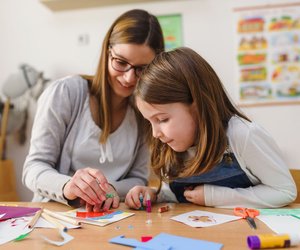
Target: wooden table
x,y
232,235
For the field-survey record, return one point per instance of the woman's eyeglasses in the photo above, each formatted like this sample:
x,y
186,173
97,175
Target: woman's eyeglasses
x,y
123,66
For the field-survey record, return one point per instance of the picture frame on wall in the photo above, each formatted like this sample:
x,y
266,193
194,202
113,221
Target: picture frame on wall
x,y
268,54
172,30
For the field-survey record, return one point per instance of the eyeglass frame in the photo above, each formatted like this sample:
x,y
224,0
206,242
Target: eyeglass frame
x,y
135,68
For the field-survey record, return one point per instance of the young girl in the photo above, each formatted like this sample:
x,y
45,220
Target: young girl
x,y
204,149
86,132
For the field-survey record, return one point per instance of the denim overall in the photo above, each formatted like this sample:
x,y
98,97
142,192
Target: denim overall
x,y
225,174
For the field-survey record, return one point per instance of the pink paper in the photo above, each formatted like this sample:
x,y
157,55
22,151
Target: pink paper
x,y
14,212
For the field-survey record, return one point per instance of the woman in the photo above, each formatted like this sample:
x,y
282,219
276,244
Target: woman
x,y
86,145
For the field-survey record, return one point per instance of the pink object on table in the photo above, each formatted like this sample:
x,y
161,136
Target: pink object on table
x,y
148,203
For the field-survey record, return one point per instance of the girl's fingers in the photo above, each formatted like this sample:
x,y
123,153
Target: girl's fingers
x,y
130,201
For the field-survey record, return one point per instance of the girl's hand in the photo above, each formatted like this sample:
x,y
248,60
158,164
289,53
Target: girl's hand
x,y
112,201
88,184
132,199
196,195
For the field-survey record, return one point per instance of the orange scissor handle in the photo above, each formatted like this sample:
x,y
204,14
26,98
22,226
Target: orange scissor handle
x,y
245,212
252,212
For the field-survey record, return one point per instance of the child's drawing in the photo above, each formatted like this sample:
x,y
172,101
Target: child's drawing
x,y
200,218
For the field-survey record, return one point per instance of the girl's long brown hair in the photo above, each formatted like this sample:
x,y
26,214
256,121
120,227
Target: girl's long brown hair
x,y
184,76
133,27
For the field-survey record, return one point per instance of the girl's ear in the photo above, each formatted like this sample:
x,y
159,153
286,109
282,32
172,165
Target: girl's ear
x,y
194,111
193,108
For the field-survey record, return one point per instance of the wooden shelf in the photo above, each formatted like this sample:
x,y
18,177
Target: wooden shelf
x,y
62,5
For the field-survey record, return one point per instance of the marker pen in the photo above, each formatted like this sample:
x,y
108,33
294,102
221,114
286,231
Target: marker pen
x,y
141,198
148,203
273,240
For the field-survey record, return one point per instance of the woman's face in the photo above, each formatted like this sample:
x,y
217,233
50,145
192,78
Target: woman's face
x,y
129,57
173,123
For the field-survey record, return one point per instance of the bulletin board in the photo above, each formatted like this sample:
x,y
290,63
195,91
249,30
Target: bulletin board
x,y
172,30
268,54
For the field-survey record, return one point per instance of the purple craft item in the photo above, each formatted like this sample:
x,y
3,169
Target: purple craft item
x,y
14,212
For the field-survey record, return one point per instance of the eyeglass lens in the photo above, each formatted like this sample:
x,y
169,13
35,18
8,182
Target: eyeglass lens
x,y
123,66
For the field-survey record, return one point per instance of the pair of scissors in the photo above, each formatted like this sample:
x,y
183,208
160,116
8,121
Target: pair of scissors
x,y
247,213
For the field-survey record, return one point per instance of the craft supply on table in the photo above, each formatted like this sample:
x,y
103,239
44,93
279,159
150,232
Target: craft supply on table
x,y
148,203
141,198
97,218
273,240
66,238
163,209
63,218
55,222
35,218
165,241
247,213
8,212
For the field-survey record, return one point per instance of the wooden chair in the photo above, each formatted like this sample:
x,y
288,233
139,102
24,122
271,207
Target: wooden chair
x,y
296,176
8,190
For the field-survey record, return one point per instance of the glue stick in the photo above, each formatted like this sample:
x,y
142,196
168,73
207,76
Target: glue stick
x,y
273,240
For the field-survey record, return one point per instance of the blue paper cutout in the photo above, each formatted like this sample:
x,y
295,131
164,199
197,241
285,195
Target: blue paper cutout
x,y
165,241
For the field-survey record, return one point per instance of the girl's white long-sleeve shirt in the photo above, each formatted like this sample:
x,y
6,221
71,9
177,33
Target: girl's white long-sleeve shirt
x,y
260,158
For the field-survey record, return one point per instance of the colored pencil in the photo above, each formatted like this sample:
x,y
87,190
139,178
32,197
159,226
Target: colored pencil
x,y
35,218
54,222
63,217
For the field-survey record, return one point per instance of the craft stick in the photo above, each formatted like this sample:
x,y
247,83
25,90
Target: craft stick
x,y
55,222
35,218
63,217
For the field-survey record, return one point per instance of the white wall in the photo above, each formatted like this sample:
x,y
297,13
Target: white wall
x,y
48,40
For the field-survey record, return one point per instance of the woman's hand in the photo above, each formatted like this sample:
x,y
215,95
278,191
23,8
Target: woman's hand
x,y
196,195
88,184
112,201
132,199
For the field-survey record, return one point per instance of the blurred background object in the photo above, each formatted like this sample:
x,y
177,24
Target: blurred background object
x,y
22,87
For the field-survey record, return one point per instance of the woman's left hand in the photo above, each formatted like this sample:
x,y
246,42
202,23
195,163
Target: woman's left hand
x,y
112,201
196,195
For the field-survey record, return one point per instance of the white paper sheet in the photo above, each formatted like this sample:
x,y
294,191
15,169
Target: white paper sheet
x,y
281,224
12,228
200,218
66,238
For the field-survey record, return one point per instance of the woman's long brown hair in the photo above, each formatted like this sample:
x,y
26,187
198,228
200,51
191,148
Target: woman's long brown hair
x,y
132,27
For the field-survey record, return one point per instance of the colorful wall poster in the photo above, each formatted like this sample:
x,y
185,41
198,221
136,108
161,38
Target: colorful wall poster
x,y
172,30
268,53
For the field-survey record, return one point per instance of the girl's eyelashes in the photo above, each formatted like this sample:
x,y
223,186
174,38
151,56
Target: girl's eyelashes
x,y
163,120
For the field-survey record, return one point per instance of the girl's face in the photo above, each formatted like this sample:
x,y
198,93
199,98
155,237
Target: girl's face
x,y
124,63
174,123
